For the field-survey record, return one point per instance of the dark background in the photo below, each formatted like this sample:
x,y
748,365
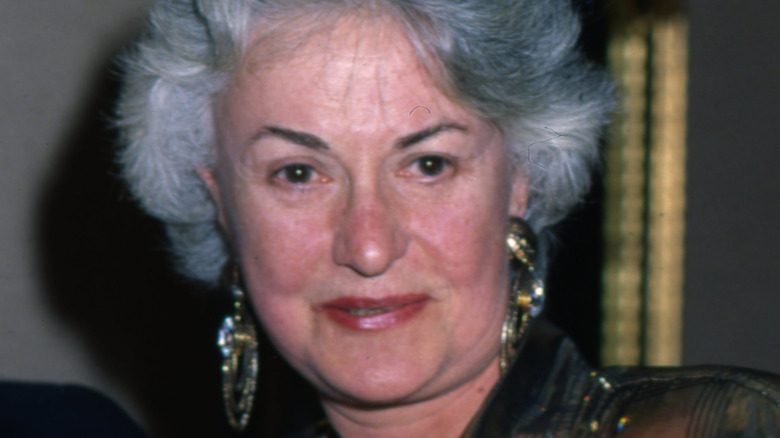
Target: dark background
x,y
732,265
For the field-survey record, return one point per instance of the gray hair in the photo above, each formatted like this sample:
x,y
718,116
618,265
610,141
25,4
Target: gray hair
x,y
513,62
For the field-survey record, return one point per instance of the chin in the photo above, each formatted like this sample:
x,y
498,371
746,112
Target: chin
x,y
378,386
379,396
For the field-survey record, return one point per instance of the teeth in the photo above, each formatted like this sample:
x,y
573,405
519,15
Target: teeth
x,y
369,312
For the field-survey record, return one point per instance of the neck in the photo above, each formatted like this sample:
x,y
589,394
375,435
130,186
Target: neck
x,y
445,416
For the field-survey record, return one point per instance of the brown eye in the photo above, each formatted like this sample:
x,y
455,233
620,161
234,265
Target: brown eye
x,y
431,165
296,173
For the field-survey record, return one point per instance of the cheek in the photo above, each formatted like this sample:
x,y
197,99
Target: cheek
x,y
471,256
280,257
468,241
472,226
280,250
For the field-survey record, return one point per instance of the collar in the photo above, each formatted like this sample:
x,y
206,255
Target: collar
x,y
544,360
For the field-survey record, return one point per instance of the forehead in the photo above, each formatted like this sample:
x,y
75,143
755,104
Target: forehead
x,y
355,62
358,45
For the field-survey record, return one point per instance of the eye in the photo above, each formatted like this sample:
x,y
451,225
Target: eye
x,y
431,165
296,173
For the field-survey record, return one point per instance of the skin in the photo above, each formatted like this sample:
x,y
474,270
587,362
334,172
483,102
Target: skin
x,y
324,195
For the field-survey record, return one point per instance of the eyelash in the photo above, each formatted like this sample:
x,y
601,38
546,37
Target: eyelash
x,y
435,163
426,166
304,174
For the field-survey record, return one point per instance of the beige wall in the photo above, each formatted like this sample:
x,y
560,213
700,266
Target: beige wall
x,y
87,293
51,53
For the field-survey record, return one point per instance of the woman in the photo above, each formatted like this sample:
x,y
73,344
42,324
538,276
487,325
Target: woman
x,y
358,169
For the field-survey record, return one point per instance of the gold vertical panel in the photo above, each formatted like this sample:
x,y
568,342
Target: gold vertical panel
x,y
666,215
624,206
644,196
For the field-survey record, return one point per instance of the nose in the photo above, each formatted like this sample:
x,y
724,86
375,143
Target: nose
x,y
370,237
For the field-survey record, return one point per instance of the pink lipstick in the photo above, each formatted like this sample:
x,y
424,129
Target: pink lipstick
x,y
373,314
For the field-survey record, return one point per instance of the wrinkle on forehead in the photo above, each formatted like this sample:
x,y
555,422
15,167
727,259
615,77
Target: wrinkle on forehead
x,y
347,51
357,35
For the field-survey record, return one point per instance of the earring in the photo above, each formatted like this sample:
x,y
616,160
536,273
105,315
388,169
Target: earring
x,y
526,297
237,341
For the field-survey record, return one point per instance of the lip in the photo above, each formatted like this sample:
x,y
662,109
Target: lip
x,y
369,314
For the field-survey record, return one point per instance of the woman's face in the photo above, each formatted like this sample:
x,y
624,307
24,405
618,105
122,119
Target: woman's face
x,y
368,212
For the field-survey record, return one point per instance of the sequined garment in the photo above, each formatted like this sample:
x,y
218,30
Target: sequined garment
x,y
551,392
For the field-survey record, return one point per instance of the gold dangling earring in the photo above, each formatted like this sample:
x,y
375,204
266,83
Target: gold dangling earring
x,y
526,297
237,341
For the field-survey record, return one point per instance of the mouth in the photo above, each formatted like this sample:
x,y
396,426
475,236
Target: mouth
x,y
367,314
370,312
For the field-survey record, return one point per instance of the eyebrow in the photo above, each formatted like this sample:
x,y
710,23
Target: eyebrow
x,y
417,137
300,138
313,142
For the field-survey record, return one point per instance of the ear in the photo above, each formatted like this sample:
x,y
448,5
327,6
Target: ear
x,y
209,177
518,199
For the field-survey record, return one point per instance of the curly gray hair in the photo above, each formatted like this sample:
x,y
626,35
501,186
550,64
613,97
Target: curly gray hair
x,y
514,62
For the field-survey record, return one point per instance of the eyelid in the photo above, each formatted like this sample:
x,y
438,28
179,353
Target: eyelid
x,y
278,178
448,163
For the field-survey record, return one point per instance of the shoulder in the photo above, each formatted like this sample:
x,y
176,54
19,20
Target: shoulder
x,y
693,401
44,410
552,391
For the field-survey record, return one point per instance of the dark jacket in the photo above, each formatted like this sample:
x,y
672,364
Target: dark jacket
x,y
550,391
